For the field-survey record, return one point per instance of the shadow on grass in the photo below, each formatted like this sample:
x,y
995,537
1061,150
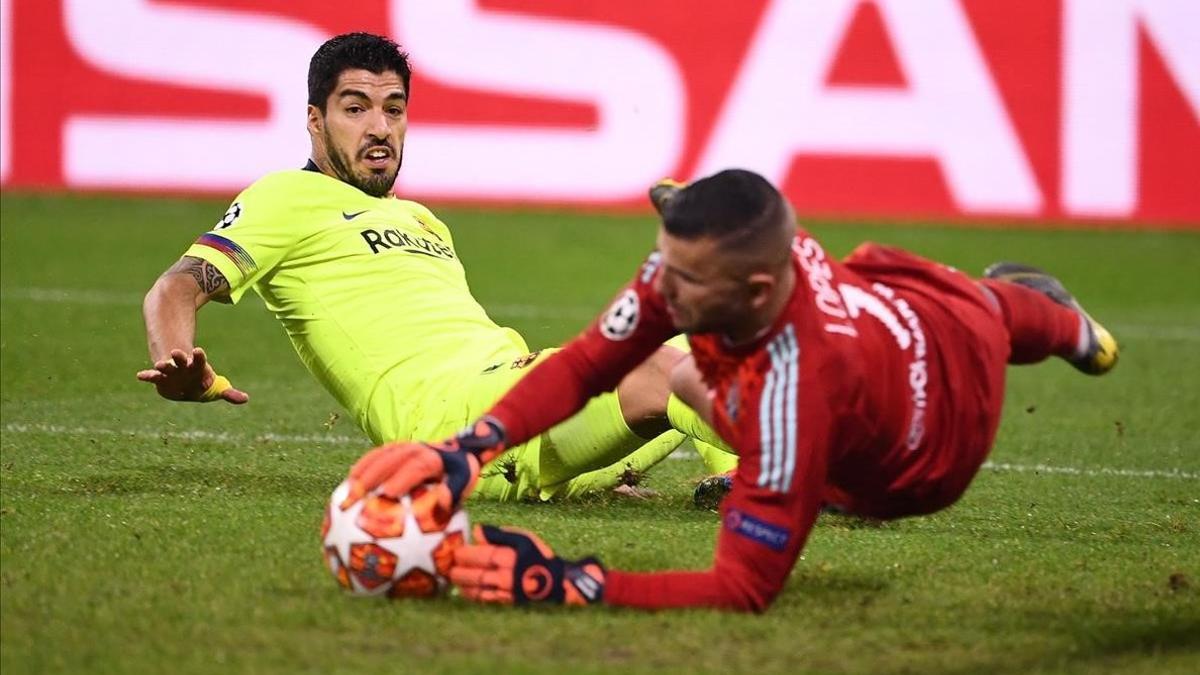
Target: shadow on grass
x,y
1147,636
1098,645
189,480
814,586
1173,626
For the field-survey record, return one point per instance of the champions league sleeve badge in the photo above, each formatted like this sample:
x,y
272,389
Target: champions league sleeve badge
x,y
231,216
621,319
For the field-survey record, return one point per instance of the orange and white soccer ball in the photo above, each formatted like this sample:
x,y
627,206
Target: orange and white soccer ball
x,y
390,547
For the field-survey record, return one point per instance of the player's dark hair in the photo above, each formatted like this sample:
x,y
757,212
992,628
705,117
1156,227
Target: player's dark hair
x,y
374,53
739,207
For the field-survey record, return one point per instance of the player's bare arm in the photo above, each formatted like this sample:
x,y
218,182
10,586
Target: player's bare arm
x,y
181,371
169,309
210,280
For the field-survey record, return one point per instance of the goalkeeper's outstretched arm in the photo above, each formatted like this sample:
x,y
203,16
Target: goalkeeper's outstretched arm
x,y
181,371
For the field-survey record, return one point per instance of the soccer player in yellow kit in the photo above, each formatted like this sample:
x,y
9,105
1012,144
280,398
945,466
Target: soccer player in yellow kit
x,y
371,292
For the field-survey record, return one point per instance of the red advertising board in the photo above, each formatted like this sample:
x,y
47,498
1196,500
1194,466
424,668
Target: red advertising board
x,y
1082,111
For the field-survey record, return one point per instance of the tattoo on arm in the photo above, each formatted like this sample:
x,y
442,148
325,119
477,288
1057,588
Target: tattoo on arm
x,y
207,276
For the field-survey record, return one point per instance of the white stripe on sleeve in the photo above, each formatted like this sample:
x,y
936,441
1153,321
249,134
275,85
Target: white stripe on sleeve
x,y
777,413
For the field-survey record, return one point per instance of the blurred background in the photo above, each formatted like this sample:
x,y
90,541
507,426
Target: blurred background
x,y
1030,111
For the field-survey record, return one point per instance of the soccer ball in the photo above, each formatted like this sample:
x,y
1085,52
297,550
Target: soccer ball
x,y
385,546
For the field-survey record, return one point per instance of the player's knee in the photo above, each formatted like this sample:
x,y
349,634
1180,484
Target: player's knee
x,y
687,385
644,392
662,362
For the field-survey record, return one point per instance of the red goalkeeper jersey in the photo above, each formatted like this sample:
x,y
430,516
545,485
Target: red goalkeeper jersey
x,y
878,389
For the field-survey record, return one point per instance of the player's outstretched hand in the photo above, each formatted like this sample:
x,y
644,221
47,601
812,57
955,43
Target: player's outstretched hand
x,y
183,377
514,567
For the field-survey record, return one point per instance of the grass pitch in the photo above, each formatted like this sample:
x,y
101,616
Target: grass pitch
x,y
144,536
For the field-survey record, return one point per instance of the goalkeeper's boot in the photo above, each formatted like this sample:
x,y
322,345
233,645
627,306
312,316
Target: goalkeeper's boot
x,y
710,491
662,192
1102,350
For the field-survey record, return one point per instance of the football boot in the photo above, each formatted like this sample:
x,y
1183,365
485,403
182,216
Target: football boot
x,y
1102,351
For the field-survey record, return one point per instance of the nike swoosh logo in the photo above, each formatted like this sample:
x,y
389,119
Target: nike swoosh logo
x,y
352,216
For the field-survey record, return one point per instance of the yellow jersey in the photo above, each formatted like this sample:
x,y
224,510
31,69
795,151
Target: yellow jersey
x,y
366,287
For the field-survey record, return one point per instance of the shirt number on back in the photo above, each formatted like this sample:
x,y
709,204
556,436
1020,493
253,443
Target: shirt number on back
x,y
858,301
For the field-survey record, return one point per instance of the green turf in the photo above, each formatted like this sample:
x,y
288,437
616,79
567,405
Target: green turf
x,y
130,544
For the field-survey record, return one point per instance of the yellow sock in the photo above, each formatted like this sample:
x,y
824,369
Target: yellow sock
x,y
513,476
595,437
590,452
627,469
717,455
716,460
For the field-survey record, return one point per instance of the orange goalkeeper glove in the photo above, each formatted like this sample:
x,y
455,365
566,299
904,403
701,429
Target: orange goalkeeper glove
x,y
395,469
515,567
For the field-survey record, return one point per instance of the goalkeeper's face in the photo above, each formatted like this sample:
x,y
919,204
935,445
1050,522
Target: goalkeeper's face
x,y
359,138
704,287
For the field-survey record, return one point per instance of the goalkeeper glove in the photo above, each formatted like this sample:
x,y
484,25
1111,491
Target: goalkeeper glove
x,y
515,567
395,469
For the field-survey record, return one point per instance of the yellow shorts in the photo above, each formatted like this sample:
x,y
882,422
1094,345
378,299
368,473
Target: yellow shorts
x,y
444,408
538,469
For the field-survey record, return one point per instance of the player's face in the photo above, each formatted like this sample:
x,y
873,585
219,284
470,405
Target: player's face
x,y
702,296
360,137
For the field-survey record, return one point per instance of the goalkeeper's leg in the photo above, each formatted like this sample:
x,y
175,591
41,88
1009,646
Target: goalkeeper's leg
x,y
1043,318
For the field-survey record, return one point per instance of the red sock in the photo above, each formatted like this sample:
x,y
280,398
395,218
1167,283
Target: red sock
x,y
1037,326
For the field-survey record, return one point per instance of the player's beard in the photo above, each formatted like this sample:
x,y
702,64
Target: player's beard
x,y
374,184
724,320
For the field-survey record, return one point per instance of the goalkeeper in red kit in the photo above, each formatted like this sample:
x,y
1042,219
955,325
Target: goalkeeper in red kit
x,y
872,384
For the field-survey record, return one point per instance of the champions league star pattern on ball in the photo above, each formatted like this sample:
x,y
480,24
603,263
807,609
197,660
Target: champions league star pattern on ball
x,y
398,548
